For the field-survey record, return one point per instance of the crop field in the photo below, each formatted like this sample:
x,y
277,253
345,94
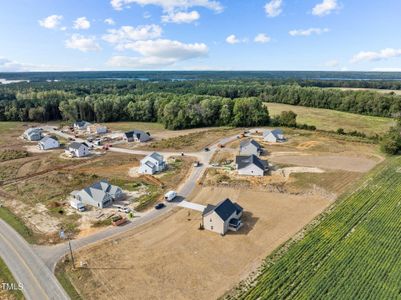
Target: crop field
x,y
326,119
354,252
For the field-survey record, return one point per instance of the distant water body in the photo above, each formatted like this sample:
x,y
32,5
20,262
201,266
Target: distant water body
x,y
195,75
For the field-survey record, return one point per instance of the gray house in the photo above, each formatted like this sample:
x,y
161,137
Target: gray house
x,y
136,136
224,216
153,163
33,134
274,136
250,147
251,165
81,125
101,194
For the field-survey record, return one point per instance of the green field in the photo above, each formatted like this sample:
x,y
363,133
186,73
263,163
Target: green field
x,y
326,119
354,253
126,126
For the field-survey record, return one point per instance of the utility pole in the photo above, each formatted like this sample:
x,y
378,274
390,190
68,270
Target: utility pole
x,y
64,237
72,256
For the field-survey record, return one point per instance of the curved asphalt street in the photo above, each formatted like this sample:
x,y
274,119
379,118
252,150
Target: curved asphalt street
x,y
33,266
38,282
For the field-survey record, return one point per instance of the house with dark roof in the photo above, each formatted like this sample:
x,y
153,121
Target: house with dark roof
x,y
224,216
100,194
81,125
76,149
153,163
274,136
136,136
250,147
251,165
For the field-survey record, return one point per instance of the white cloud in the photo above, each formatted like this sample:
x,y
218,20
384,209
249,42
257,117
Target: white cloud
x,y
82,43
170,5
51,22
109,21
375,56
262,38
308,32
82,23
158,53
325,8
232,39
147,15
181,17
274,8
127,34
168,49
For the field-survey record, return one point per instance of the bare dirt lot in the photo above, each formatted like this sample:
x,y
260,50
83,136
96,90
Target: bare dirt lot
x,y
334,162
172,259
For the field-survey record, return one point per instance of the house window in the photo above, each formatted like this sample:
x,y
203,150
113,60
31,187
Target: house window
x,y
210,220
211,227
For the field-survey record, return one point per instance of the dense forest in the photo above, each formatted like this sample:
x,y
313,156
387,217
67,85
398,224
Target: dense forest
x,y
179,104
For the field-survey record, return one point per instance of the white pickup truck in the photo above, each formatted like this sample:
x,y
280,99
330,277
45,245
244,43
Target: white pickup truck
x,y
78,205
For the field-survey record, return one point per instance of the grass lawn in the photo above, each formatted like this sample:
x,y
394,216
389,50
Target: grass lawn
x,y
326,119
65,281
7,277
17,224
126,126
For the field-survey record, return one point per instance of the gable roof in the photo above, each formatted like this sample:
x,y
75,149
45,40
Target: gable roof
x,y
100,190
33,130
157,156
250,142
76,145
276,132
138,133
223,209
47,138
81,123
245,161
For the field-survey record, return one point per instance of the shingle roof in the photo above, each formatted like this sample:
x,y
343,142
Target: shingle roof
x,y
224,209
157,156
245,161
138,133
76,145
275,132
253,142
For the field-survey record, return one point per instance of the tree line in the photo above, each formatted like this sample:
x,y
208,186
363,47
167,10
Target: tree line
x,y
180,104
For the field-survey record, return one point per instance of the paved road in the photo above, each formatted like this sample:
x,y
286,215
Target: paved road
x,y
34,265
27,268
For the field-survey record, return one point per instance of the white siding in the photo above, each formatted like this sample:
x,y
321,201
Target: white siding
x,y
251,170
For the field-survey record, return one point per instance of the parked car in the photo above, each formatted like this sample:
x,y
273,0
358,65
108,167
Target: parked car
x,y
197,164
160,206
118,220
127,210
207,149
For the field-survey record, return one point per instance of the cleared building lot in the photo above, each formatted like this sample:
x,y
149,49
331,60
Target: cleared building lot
x,y
172,259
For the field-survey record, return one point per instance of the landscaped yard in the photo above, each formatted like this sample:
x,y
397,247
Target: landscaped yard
x,y
325,119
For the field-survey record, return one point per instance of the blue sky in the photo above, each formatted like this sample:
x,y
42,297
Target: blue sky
x,y
200,35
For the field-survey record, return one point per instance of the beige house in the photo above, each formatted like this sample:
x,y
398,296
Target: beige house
x,y
96,129
224,216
